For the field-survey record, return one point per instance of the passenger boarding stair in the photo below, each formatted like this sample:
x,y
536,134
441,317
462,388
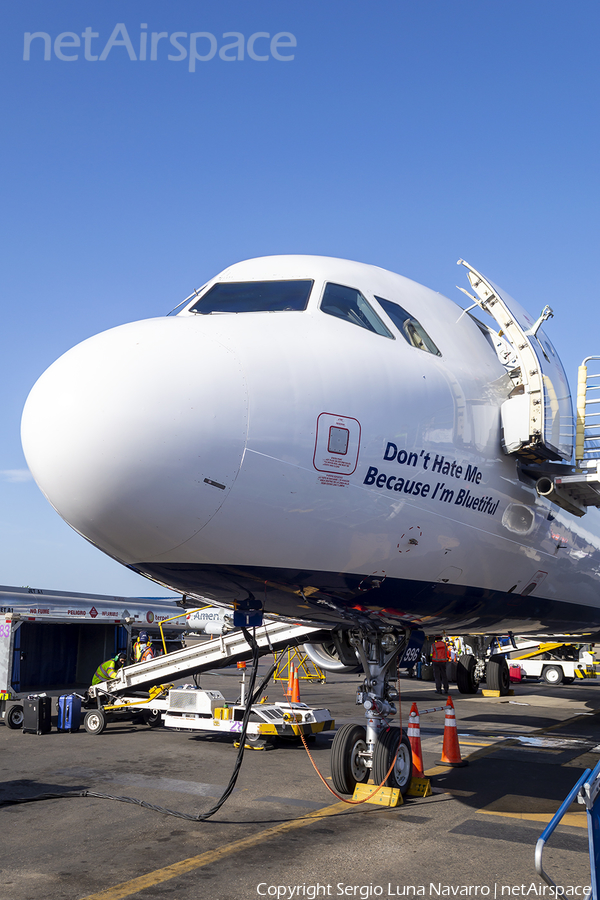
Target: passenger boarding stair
x,y
537,422
584,485
222,651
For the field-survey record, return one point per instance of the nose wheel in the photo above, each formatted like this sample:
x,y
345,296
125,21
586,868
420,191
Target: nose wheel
x,y
393,747
379,750
348,758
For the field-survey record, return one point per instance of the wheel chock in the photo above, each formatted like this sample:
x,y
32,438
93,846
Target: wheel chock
x,y
509,693
420,787
384,796
259,745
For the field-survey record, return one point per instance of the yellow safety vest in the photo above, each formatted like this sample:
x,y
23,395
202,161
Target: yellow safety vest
x,y
105,672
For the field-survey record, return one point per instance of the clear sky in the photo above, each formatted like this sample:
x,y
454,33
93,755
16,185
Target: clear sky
x,y
403,133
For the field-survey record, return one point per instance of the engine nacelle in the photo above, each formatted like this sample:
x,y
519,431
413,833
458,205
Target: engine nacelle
x,y
325,656
210,621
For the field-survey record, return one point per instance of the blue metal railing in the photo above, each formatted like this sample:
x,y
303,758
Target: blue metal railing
x,y
587,792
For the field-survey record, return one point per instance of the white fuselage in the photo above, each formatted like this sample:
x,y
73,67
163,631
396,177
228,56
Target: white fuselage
x,y
326,469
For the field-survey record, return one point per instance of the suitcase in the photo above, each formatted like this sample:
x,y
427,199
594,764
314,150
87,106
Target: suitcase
x,y
69,712
36,715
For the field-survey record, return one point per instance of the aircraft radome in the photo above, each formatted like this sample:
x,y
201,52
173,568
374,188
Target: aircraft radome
x,y
334,443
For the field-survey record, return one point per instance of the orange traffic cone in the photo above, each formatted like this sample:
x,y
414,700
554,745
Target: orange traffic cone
x,y
414,736
295,687
451,749
290,684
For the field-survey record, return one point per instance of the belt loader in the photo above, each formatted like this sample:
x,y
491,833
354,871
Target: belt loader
x,y
146,690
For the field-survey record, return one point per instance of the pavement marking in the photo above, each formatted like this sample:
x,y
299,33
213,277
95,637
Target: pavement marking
x,y
175,870
540,742
587,760
534,809
453,791
486,750
527,748
289,801
437,770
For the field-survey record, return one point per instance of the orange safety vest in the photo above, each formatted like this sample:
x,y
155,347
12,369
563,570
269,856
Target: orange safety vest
x,y
439,652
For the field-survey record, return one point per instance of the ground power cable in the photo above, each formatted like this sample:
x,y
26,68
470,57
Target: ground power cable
x,y
199,817
388,773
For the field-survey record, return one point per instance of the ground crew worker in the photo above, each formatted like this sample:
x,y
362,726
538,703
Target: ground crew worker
x,y
109,669
439,658
147,652
140,646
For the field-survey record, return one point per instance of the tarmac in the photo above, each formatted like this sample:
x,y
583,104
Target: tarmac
x,y
282,833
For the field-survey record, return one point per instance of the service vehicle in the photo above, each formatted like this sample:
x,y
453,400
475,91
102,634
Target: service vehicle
x,y
555,663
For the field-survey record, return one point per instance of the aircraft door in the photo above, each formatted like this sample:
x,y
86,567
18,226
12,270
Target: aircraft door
x,y
537,418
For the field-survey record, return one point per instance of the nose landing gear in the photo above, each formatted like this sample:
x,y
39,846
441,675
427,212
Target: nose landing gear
x,y
378,749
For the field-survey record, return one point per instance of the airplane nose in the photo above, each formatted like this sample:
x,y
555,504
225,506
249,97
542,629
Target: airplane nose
x,y
136,435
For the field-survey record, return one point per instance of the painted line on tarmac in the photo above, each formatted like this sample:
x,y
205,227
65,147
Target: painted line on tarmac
x,y
175,870
477,754
515,806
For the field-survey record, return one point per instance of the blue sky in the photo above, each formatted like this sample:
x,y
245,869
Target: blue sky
x,y
403,134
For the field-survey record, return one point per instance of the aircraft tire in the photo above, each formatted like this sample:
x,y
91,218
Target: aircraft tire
x,y
94,721
553,675
497,675
152,717
347,768
14,717
465,674
385,750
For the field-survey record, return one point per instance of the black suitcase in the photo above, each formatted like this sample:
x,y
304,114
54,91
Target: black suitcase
x,y
36,715
69,712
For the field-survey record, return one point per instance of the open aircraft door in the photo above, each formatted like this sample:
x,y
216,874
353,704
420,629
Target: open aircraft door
x,y
537,417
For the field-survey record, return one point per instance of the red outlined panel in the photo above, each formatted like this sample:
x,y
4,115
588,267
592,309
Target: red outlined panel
x,y
337,444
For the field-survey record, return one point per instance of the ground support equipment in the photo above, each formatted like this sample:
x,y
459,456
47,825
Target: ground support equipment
x,y
192,709
13,716
306,668
141,690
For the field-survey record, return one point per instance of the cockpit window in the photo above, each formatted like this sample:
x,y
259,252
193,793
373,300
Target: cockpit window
x,y
410,329
349,304
254,296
